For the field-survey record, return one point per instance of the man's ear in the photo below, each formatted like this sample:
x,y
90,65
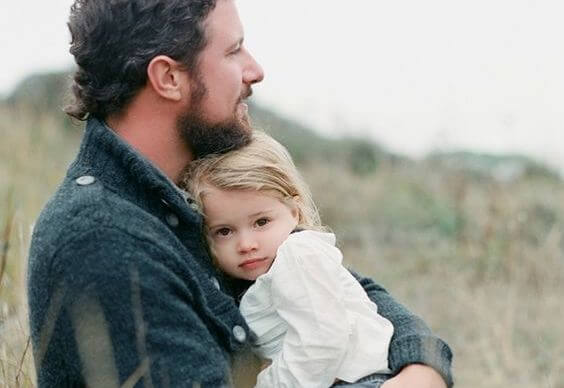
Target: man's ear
x,y
168,78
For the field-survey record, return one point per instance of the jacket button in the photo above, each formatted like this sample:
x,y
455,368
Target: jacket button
x,y
85,180
239,333
172,220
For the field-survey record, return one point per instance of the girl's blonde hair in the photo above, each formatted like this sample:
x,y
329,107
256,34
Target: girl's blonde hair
x,y
263,165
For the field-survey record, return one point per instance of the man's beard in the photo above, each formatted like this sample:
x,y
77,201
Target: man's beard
x,y
204,138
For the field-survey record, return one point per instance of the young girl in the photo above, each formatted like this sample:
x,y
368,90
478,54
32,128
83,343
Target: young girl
x,y
313,320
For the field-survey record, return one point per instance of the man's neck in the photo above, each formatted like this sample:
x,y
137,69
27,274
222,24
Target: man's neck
x,y
152,132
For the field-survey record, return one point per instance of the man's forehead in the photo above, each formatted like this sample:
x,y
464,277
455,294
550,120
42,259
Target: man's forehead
x,y
223,22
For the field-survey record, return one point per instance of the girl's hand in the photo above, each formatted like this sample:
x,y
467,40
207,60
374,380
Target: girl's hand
x,y
416,376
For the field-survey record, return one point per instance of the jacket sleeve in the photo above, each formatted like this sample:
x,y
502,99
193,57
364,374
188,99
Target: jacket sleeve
x,y
124,315
307,294
412,342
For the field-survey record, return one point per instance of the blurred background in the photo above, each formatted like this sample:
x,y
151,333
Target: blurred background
x,y
430,133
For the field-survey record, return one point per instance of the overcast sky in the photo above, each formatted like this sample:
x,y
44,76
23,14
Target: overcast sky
x,y
414,75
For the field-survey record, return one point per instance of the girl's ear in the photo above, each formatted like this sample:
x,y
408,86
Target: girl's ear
x,y
294,203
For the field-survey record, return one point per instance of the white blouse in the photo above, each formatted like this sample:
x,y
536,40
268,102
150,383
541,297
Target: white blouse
x,y
313,319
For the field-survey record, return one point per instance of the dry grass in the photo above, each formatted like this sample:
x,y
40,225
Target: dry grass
x,y
33,159
15,362
491,286
482,262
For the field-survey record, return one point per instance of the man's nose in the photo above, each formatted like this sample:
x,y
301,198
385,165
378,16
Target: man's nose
x,y
253,72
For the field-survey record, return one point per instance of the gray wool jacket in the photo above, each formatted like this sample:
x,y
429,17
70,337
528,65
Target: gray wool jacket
x,y
121,289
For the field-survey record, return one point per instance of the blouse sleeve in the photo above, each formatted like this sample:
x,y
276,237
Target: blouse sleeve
x,y
307,294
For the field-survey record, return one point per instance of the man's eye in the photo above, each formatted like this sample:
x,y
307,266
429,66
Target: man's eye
x,y
235,50
262,221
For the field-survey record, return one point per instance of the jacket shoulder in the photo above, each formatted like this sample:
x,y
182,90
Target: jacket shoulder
x,y
81,205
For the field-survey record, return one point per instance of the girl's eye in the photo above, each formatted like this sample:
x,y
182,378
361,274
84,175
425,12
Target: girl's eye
x,y
222,232
262,221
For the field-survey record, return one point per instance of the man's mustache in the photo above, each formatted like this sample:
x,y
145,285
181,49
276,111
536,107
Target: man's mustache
x,y
246,94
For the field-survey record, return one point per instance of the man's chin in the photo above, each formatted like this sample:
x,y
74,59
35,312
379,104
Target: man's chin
x,y
245,124
204,139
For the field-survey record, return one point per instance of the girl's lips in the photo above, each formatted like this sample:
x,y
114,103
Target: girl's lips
x,y
252,264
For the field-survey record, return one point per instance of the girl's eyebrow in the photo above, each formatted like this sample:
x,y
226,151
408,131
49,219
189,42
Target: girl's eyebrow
x,y
261,212
217,225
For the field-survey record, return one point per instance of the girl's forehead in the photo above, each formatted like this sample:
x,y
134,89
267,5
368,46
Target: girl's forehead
x,y
231,204
210,192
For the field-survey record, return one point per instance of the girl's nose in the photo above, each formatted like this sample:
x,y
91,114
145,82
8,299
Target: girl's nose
x,y
247,243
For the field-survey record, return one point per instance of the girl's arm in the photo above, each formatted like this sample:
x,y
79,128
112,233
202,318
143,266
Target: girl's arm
x,y
412,342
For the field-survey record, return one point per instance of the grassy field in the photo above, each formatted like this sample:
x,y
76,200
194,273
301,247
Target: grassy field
x,y
34,154
482,263
481,260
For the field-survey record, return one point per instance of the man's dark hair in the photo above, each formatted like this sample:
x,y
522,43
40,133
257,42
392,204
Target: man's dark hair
x,y
113,42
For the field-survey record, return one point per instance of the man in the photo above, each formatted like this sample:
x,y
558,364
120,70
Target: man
x,y
121,290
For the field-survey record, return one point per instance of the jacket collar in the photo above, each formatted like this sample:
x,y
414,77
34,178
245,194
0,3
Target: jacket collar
x,y
110,159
